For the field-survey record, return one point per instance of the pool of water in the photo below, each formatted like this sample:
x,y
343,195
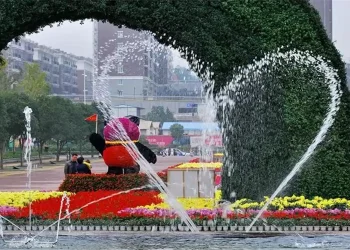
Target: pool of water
x,y
175,241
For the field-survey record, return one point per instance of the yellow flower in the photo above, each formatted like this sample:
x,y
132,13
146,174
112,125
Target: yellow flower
x,y
21,199
200,165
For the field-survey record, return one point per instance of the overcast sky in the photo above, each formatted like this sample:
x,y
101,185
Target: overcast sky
x,y
77,39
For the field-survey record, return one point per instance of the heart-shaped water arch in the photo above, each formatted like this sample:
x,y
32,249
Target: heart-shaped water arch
x,y
213,35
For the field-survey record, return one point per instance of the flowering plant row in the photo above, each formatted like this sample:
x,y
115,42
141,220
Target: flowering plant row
x,y
21,199
94,182
290,202
105,208
211,165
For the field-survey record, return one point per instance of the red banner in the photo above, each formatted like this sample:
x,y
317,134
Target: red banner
x,y
160,140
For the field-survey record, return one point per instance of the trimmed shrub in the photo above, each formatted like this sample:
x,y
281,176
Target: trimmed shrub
x,y
94,182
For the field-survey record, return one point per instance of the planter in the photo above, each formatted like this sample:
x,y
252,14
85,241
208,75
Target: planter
x,y
28,228
173,228
219,228
241,228
78,228
104,228
142,228
298,228
66,228
97,228
233,228
212,228
336,228
323,228
154,228
310,228
91,228
135,228
225,228
205,228
9,227
261,228
254,229
267,228
148,228
285,228
23,228
279,229
161,228
129,228
122,228
180,228
167,228
116,228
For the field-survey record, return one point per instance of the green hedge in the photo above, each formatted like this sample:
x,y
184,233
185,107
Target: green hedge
x,y
230,33
94,182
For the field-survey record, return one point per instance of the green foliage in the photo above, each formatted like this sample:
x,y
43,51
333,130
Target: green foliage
x,y
158,114
177,131
80,183
34,82
224,34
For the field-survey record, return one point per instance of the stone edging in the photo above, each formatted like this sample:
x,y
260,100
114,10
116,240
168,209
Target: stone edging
x,y
185,228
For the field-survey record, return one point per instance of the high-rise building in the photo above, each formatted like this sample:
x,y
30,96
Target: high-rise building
x,y
61,68
140,66
324,8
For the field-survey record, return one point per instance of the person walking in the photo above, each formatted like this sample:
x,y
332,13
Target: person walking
x,y
84,167
71,166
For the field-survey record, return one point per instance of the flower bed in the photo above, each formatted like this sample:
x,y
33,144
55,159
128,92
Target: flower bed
x,y
95,182
21,199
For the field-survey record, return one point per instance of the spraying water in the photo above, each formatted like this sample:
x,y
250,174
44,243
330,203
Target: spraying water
x,y
27,156
293,58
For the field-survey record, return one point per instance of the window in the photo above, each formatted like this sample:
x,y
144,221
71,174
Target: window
x,y
120,68
120,34
119,46
187,110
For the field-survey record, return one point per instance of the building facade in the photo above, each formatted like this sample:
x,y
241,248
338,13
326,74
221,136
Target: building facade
x,y
325,9
61,68
133,63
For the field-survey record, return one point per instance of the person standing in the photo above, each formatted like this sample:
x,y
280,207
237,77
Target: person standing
x,y
83,167
71,166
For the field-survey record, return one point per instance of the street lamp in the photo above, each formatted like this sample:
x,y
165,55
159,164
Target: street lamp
x,y
84,90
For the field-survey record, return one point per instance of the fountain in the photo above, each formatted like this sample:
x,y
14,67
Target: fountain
x,y
226,101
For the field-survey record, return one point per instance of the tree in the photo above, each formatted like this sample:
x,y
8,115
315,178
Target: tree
x,y
177,131
34,82
15,104
158,114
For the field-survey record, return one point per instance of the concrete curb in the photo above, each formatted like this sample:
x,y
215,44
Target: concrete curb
x,y
180,228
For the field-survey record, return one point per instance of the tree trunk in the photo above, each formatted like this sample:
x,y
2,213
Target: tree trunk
x,y
81,147
2,155
58,151
21,149
41,151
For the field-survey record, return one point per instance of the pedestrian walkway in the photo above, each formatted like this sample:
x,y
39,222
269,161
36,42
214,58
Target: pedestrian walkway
x,y
49,177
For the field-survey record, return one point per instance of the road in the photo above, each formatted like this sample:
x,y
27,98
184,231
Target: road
x,y
51,176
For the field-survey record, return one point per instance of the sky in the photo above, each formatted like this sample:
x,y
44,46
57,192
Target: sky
x,y
77,39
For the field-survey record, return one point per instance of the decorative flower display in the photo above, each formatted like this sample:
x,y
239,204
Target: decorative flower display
x,y
21,199
212,165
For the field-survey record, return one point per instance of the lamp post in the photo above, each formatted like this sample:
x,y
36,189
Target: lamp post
x,y
84,90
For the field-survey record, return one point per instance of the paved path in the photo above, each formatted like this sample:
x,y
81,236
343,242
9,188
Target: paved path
x,y
49,177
